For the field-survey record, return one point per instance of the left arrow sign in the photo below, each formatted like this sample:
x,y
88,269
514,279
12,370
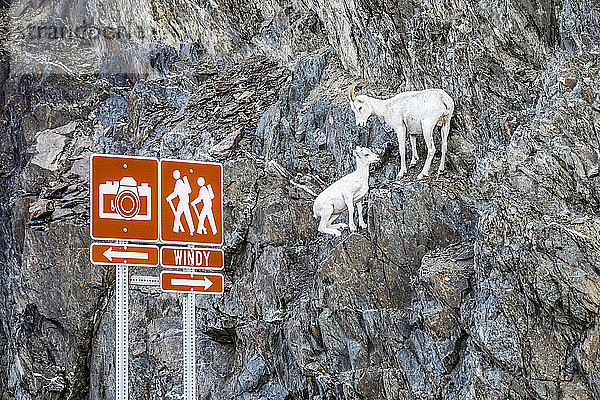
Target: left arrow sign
x,y
111,253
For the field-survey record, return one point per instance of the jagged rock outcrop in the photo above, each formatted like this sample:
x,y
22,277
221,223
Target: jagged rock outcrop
x,y
483,283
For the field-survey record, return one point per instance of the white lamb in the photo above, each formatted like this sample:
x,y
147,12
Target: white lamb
x,y
417,112
344,193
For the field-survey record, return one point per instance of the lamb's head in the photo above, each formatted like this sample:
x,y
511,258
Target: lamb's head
x,y
360,105
365,156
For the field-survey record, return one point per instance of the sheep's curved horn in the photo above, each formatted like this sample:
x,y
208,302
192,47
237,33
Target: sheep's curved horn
x,y
350,91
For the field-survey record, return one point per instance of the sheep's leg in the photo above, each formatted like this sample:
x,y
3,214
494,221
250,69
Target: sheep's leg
x,y
350,204
413,145
445,130
401,132
326,218
361,221
427,127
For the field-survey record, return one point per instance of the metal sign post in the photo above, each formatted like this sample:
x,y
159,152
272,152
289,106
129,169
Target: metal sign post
x,y
122,330
189,346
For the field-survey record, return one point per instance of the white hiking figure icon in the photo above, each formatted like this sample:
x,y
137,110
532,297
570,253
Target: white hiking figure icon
x,y
206,196
182,191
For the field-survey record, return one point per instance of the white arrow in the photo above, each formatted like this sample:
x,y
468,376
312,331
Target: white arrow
x,y
109,254
206,283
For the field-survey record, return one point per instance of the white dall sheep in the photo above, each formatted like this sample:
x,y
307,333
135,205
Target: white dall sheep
x,y
417,112
344,193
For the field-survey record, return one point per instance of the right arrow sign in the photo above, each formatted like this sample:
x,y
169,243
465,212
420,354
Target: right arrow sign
x,y
190,282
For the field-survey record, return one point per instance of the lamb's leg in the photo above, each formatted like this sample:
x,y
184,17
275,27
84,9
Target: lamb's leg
x,y
338,226
427,127
413,145
324,226
361,221
401,132
445,130
335,226
348,199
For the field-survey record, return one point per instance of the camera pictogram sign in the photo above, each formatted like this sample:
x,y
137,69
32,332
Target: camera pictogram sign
x,y
191,202
124,198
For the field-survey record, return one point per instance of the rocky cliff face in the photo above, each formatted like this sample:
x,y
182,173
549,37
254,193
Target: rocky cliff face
x,y
483,283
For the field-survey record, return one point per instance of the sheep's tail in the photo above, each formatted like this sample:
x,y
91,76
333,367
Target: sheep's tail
x,y
449,104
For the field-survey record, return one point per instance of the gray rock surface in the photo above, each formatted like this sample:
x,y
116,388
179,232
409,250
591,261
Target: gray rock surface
x,y
483,283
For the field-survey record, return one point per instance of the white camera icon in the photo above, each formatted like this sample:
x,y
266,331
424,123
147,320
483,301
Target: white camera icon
x,y
125,200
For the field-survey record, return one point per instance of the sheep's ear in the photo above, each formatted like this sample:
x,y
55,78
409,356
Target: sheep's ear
x,y
355,152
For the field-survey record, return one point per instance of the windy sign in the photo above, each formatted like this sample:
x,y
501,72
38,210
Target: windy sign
x,y
191,202
183,257
110,253
191,282
124,198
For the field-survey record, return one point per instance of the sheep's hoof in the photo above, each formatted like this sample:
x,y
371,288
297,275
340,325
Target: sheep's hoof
x,y
353,229
363,226
422,176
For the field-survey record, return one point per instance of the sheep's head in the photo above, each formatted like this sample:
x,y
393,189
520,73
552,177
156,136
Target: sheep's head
x,y
365,155
359,104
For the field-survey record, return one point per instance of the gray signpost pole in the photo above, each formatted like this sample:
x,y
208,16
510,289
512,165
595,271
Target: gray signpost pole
x,y
189,346
122,330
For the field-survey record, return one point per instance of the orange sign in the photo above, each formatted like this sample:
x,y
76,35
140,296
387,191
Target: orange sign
x,y
110,253
124,198
191,202
190,282
194,258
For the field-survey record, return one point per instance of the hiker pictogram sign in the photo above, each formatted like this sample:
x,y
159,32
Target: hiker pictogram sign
x,y
191,202
112,253
183,257
124,198
191,282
